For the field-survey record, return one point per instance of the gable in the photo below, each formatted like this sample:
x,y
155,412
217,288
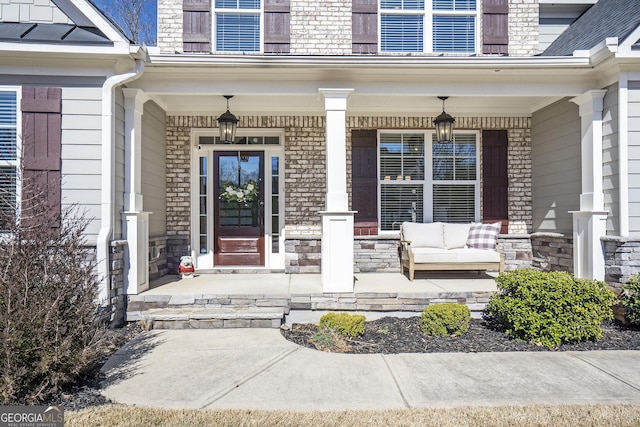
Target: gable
x,y
72,22
606,19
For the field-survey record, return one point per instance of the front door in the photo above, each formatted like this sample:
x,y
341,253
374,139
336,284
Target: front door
x,y
238,203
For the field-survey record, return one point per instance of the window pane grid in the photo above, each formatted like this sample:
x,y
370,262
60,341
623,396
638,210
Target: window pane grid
x,y
454,203
452,24
454,4
8,125
402,33
402,156
400,203
237,4
237,32
402,4
455,34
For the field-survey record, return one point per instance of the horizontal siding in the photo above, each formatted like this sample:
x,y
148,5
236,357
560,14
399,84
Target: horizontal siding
x,y
81,154
154,170
634,158
556,176
610,160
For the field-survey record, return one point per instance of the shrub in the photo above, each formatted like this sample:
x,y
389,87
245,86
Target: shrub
x,y
631,300
351,325
550,308
49,328
445,319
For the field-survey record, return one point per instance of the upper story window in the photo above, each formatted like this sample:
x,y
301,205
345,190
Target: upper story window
x,y
430,26
9,151
237,25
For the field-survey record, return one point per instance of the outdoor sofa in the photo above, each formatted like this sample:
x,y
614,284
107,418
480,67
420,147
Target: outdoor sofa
x,y
448,246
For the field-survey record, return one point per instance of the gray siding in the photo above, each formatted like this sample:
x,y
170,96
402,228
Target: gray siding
x,y
118,118
556,177
82,153
610,160
154,169
634,158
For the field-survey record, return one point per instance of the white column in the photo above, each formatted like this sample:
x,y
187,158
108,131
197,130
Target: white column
x,y
337,219
136,225
589,223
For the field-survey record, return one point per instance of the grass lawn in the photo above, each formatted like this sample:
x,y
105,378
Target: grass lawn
x,y
512,416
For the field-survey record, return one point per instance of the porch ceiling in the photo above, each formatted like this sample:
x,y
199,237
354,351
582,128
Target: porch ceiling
x,y
400,88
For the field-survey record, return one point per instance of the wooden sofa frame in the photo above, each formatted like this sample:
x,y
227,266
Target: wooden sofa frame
x,y
407,261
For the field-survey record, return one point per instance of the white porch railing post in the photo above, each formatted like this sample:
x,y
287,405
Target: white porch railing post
x,y
136,224
337,219
589,223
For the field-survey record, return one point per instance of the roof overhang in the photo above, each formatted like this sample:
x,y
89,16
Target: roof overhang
x,y
398,85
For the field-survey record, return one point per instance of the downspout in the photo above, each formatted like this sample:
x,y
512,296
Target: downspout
x,y
107,176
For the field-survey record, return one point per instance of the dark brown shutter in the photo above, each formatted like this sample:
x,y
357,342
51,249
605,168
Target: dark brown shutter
x,y
364,175
364,26
196,26
277,28
495,178
495,27
41,146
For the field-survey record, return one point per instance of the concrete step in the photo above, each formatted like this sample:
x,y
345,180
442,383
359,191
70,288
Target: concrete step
x,y
212,318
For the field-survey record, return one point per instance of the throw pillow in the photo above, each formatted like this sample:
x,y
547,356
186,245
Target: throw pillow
x,y
484,236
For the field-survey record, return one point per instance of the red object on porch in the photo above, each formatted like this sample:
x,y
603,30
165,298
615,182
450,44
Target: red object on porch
x,y
186,269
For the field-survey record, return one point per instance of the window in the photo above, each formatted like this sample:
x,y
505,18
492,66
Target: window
x,y
237,25
422,180
438,26
9,151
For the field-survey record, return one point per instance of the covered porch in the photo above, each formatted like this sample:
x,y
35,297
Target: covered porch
x,y
270,299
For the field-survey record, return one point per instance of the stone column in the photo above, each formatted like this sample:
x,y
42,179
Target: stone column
x,y
589,223
136,225
337,219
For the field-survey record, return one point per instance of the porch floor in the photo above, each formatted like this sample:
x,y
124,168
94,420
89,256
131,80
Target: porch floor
x,y
311,284
268,299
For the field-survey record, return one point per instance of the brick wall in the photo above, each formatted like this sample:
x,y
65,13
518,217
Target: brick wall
x,y
321,27
169,26
523,27
305,170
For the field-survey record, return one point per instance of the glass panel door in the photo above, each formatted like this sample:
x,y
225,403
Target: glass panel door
x,y
239,208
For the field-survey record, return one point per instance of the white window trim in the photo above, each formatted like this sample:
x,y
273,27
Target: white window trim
x,y
214,17
16,163
271,260
428,181
427,37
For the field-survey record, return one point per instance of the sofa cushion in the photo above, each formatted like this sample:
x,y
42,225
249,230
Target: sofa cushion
x,y
475,255
453,256
456,235
433,255
430,235
484,236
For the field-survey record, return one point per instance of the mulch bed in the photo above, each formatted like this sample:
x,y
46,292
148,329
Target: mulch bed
x,y
390,335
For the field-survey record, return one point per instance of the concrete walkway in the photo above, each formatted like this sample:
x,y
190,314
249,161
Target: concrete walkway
x,y
259,369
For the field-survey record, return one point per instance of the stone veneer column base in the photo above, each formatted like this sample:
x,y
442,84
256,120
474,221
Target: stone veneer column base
x,y
621,260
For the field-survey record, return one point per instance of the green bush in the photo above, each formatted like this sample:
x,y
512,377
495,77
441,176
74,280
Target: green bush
x,y
445,319
631,300
550,308
351,325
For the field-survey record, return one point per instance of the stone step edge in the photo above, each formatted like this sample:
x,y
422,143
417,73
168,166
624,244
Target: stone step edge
x,y
180,314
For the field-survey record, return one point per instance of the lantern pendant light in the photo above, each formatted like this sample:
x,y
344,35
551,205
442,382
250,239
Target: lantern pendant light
x,y
227,124
444,124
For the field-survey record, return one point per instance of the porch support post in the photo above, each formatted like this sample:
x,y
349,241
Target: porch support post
x,y
337,219
589,223
136,223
